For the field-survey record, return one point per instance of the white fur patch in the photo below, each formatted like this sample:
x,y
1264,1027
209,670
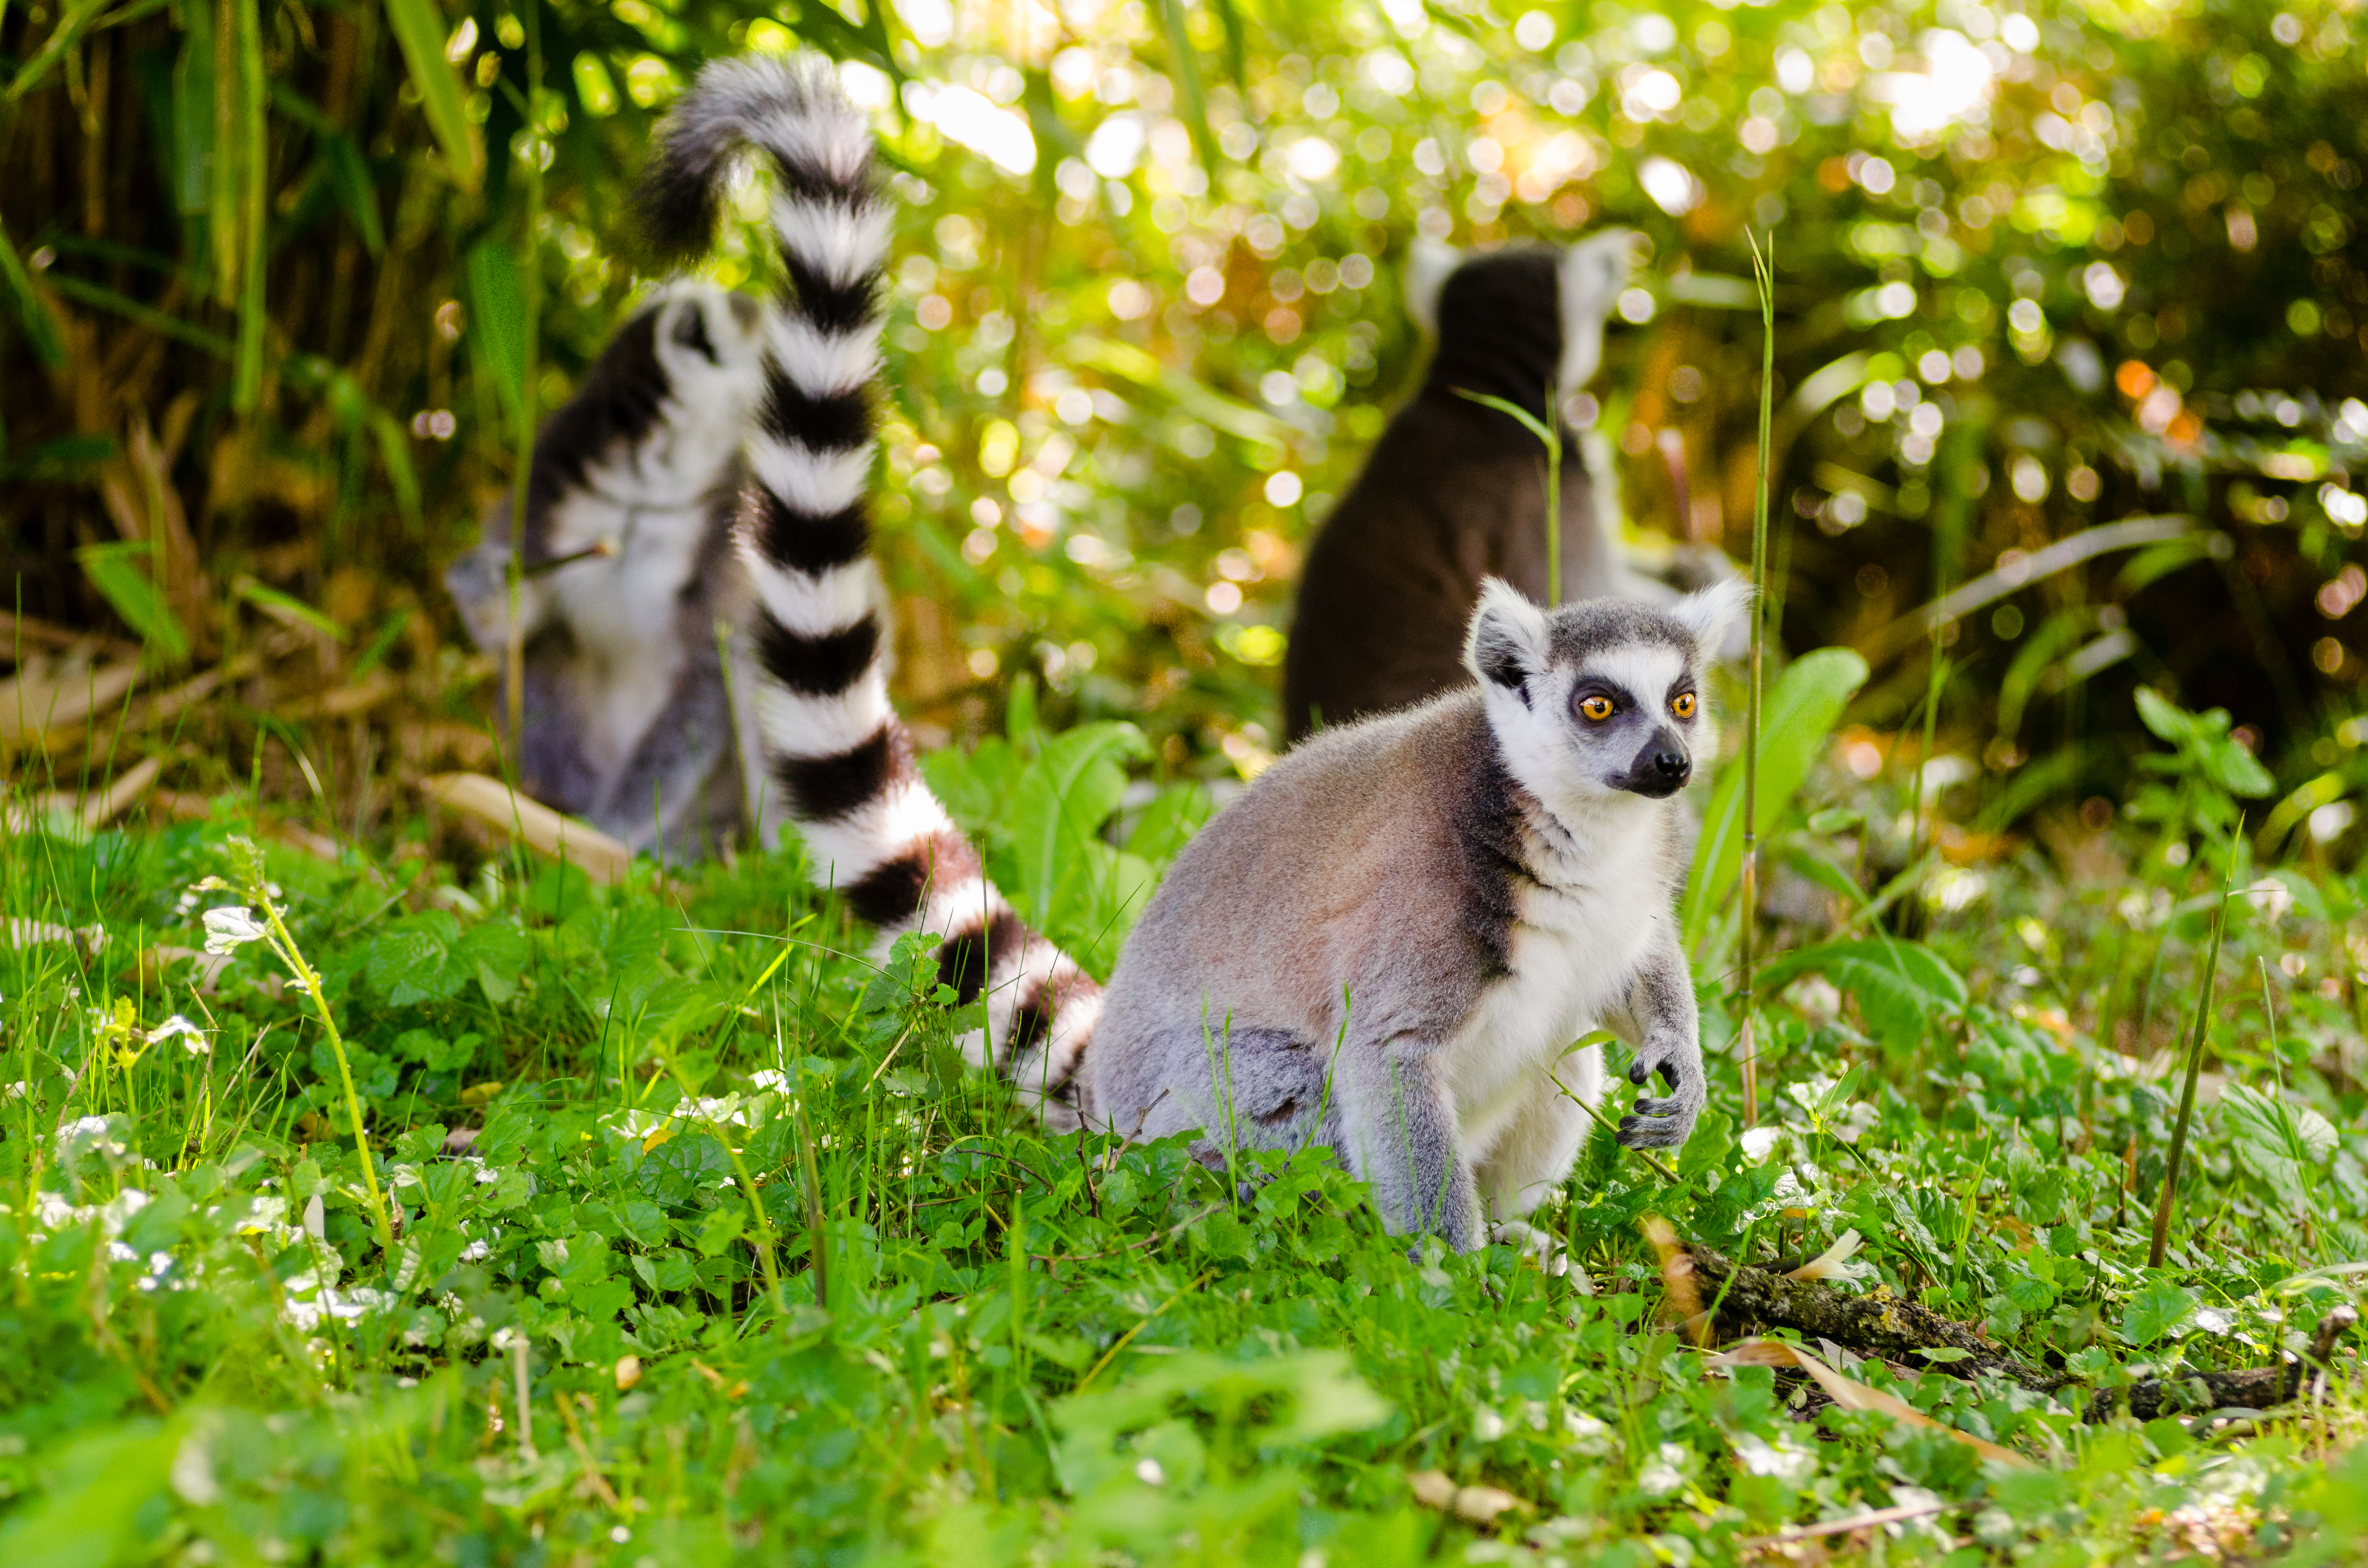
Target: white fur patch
x,y
1712,613
1646,671
819,363
968,905
812,604
842,244
820,484
1590,277
849,849
798,725
1430,264
1503,612
825,133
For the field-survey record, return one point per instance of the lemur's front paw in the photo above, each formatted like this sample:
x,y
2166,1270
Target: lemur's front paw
x,y
1663,1123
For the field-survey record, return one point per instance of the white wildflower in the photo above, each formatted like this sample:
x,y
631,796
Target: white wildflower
x,y
231,927
195,1040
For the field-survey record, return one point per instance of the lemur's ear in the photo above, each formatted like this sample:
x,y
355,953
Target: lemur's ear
x,y
1590,276
1428,265
1711,614
1508,640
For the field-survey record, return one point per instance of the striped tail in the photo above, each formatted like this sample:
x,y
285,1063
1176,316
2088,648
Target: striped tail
x,y
832,741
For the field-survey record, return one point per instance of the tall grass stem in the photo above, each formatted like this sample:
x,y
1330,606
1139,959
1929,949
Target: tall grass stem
x,y
2194,1068
1763,272
283,943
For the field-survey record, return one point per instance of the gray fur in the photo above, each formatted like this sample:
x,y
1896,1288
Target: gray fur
x,y
1422,911
628,718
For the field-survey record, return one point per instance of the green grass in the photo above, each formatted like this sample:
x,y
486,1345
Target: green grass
x,y
744,1264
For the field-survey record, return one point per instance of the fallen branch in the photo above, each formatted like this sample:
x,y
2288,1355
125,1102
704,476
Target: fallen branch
x,y
1877,1324
2247,1388
489,801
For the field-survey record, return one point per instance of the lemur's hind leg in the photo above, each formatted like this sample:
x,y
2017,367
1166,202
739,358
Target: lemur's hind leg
x,y
1398,1132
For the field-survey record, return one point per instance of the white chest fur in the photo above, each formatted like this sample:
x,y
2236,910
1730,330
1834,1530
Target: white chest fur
x,y
651,509
1573,952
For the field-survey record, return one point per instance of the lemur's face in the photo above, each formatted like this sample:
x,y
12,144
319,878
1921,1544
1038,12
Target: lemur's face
x,y
711,342
1631,713
1597,699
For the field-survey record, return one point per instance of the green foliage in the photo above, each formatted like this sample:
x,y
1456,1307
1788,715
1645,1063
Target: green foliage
x,y
787,1268
1799,715
1904,990
2205,776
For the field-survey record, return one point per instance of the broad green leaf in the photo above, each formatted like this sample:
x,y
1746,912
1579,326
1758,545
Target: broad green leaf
x,y
2155,1313
418,29
2282,1143
1795,719
973,786
407,961
1060,800
1169,823
1901,986
119,572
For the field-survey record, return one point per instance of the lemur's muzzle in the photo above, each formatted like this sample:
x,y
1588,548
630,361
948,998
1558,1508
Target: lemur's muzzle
x,y
1661,768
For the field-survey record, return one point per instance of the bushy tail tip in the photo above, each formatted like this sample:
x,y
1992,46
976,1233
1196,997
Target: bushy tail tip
x,y
792,107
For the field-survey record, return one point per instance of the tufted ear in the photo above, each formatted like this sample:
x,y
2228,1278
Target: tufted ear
x,y
1428,265
1592,275
1711,614
1507,644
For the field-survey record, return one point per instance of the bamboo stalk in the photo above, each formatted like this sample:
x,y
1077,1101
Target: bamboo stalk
x,y
1763,269
530,286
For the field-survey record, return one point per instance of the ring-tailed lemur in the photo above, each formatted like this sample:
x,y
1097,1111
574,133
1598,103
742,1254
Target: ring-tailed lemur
x,y
1386,945
1454,491
628,712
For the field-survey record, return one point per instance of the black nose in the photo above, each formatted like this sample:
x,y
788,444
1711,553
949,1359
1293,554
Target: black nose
x,y
1659,771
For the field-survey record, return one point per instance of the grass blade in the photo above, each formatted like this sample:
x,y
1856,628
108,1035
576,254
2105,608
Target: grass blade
x,y
39,326
1549,436
1193,108
2202,1030
419,32
246,381
1763,273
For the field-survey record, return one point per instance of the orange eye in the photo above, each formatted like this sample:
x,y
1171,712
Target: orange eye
x,y
1596,708
1683,705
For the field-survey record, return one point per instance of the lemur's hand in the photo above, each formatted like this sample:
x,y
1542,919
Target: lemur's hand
x,y
1664,1123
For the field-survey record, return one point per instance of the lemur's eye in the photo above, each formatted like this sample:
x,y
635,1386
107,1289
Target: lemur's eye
x,y
1595,709
1683,705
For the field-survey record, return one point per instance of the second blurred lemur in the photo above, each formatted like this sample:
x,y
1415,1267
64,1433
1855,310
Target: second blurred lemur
x,y
1454,491
627,714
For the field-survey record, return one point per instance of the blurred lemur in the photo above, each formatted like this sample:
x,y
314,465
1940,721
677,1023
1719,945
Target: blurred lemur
x,y
628,712
1386,946
1454,492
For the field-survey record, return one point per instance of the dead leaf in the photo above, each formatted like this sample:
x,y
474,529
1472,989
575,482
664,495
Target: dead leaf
x,y
33,703
1480,1505
1852,1394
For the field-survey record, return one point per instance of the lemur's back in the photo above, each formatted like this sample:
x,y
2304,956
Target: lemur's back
x,y
1454,491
